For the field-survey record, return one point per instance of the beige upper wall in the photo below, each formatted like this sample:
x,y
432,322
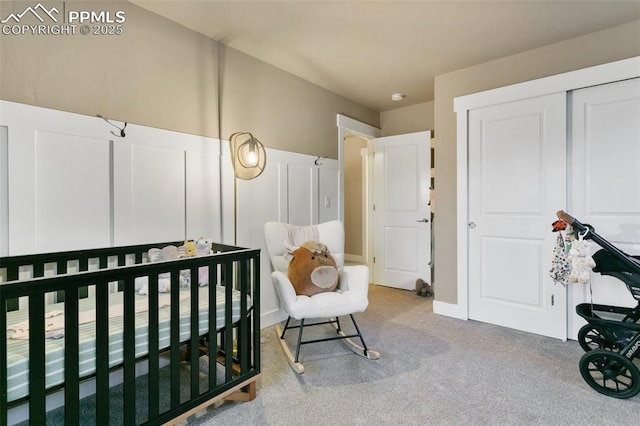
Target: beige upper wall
x,y
594,49
156,73
353,195
410,119
161,74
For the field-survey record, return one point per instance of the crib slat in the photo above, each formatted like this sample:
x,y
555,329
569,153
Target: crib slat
x,y
3,362
243,328
175,341
72,358
83,264
255,315
102,347
12,275
154,351
213,321
37,406
228,320
38,269
194,349
129,345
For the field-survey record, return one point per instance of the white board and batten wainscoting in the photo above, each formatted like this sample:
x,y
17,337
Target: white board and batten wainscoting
x,y
569,142
70,181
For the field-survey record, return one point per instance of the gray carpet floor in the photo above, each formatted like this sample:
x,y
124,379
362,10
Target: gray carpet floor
x,y
433,370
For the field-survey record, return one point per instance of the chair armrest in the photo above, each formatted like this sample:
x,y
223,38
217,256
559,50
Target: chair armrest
x,y
355,278
284,288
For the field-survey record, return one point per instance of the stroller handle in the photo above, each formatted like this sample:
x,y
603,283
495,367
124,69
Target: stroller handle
x,y
565,217
570,220
592,235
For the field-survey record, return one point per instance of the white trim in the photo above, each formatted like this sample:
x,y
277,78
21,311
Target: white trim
x,y
346,124
357,127
349,125
449,310
462,215
592,76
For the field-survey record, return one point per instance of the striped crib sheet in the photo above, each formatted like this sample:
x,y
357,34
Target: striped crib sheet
x,y
18,349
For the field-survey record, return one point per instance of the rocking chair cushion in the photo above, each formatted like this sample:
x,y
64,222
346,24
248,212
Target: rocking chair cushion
x,y
349,298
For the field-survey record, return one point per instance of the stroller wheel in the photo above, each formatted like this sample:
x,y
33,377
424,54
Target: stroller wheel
x,y
610,373
592,337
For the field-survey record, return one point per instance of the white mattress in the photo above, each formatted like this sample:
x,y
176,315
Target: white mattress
x,y
18,349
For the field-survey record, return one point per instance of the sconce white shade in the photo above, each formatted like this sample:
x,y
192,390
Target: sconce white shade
x,y
248,155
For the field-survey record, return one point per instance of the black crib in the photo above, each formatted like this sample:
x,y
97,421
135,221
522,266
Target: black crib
x,y
178,378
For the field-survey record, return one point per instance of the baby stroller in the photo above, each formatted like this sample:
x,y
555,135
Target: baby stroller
x,y
611,339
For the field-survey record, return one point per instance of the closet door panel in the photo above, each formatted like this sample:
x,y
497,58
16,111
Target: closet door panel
x,y
605,179
517,170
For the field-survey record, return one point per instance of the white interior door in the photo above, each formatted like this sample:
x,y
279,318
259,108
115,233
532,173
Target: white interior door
x,y
517,175
605,180
402,232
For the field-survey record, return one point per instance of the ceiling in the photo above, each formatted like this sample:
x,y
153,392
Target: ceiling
x,y
367,50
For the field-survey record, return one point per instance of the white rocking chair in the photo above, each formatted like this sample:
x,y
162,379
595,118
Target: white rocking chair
x,y
350,297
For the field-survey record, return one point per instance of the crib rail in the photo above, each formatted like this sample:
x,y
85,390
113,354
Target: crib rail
x,y
231,267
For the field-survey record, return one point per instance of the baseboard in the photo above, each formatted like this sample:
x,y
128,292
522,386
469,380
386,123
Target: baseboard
x,y
273,317
449,310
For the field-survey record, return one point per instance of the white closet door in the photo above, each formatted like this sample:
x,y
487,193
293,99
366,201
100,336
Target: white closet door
x,y
605,179
517,175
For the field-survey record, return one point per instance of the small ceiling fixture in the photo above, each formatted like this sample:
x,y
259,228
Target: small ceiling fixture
x,y
398,96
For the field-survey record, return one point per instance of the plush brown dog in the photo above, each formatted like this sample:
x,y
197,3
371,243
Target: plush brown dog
x,y
312,269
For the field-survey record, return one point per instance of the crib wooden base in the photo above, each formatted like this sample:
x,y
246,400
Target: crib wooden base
x,y
245,391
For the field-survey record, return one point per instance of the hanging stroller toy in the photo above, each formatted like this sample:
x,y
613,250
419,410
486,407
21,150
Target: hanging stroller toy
x,y
611,337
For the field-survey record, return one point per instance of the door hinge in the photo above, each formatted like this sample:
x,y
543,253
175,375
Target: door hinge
x,y
374,207
553,302
374,259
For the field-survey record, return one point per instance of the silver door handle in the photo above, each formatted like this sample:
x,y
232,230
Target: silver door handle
x,y
472,225
425,220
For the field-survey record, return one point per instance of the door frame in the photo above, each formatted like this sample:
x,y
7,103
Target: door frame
x,y
347,125
592,76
